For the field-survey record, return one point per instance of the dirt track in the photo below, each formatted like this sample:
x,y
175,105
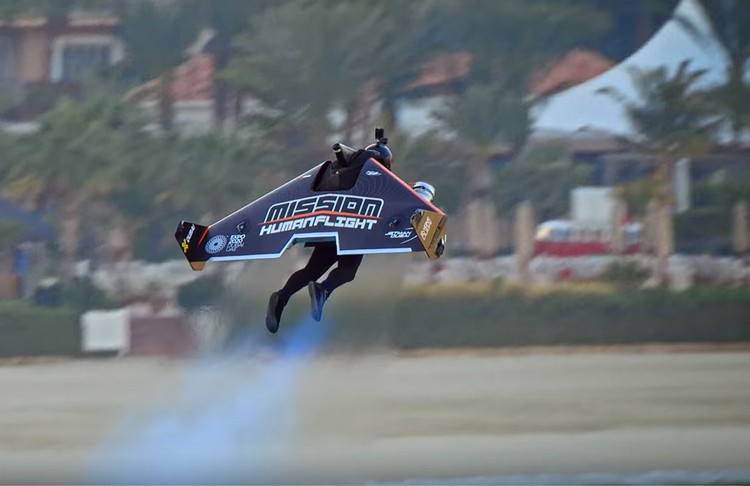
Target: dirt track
x,y
378,417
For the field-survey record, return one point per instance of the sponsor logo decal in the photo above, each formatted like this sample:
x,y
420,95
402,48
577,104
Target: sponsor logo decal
x,y
328,210
372,173
425,228
186,240
398,234
216,244
319,220
235,241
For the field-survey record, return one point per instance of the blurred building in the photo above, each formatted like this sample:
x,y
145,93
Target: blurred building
x,y
194,82
191,90
43,56
444,75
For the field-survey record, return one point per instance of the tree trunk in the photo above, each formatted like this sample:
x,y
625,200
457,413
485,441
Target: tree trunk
x,y
740,233
238,105
648,236
389,115
524,241
481,216
166,101
664,218
617,238
120,239
6,258
736,86
70,237
221,95
6,275
349,121
221,90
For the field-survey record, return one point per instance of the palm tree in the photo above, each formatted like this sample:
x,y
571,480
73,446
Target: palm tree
x,y
671,120
156,37
507,42
226,19
543,173
307,60
227,165
729,21
11,234
67,164
288,64
486,118
413,31
288,72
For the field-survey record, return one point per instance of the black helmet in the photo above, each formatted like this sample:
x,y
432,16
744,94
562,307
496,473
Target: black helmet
x,y
381,153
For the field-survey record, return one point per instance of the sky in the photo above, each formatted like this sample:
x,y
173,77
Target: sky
x,y
580,107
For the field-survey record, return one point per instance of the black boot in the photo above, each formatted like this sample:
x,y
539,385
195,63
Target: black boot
x,y
318,297
273,314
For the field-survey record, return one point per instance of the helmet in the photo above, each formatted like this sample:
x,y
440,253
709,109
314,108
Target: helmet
x,y
381,153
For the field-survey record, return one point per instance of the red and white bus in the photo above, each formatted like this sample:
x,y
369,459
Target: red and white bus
x,y
567,238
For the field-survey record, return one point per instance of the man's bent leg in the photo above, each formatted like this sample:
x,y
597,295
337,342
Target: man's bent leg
x,y
322,258
344,272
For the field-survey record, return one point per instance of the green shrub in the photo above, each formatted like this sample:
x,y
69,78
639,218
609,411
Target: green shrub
x,y
83,295
628,275
28,330
203,291
643,316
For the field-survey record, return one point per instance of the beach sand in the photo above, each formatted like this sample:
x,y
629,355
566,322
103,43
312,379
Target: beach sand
x,y
374,417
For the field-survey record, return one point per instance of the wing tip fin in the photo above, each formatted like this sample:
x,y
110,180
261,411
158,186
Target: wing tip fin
x,y
197,266
189,236
430,228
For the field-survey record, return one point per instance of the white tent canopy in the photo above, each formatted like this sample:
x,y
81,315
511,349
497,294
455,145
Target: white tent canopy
x,y
580,107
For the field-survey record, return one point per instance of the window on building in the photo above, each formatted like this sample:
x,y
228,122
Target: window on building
x,y
79,58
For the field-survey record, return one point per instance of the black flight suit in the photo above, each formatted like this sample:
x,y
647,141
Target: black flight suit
x,y
334,176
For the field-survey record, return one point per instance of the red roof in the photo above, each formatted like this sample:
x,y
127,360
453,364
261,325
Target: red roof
x,y
442,69
193,80
574,68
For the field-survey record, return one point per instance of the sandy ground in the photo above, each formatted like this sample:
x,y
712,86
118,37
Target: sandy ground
x,y
376,418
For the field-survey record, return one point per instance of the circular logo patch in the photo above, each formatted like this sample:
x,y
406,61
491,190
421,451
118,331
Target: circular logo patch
x,y
216,244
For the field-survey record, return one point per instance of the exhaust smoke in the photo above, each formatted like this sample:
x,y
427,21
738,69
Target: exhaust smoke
x,y
234,413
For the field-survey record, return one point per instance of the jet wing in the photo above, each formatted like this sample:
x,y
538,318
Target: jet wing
x,y
380,214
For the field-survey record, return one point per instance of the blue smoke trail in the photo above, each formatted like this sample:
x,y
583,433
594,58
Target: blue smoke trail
x,y
202,439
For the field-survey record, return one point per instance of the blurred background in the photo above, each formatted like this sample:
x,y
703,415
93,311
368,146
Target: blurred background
x,y
592,157
592,147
